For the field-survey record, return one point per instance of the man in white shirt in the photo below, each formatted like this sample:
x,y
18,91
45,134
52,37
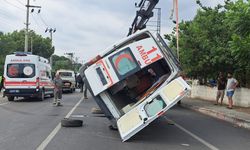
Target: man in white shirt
x,y
231,86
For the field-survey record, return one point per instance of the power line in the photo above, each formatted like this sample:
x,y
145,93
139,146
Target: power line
x,y
36,22
14,5
4,13
6,23
28,6
44,22
20,2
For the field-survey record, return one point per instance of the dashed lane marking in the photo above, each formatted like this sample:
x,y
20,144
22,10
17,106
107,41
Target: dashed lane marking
x,y
4,104
44,144
210,146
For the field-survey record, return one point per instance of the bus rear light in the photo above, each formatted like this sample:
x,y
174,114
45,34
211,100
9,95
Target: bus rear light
x,y
3,81
37,83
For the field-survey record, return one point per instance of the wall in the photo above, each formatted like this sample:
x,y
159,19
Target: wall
x,y
240,98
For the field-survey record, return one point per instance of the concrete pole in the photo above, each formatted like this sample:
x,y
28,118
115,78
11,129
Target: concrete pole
x,y
31,45
51,57
27,28
177,29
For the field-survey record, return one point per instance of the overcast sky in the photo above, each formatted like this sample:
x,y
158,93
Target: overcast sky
x,y
86,27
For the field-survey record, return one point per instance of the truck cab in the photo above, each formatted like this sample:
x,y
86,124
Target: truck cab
x,y
69,80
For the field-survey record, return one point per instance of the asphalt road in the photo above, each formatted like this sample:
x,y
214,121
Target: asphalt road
x,y
26,125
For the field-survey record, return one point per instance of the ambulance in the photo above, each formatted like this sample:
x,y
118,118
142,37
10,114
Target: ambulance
x,y
135,81
27,75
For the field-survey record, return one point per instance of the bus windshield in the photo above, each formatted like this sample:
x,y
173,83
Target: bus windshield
x,y
124,63
66,74
20,70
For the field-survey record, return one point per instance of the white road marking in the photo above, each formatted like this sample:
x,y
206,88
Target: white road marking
x,y
210,146
4,103
77,116
43,145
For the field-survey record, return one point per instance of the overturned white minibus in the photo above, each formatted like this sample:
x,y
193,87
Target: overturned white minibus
x,y
135,81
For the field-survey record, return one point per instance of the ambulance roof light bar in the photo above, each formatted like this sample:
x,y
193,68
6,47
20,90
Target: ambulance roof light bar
x,y
22,53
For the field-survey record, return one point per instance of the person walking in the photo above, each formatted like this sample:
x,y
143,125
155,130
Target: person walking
x,y
230,88
80,82
221,86
85,90
58,90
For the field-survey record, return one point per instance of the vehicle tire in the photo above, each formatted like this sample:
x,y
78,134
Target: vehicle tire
x,y
71,90
71,123
113,128
11,98
42,96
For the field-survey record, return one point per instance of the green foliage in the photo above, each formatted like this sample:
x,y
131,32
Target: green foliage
x,y
13,42
61,62
217,39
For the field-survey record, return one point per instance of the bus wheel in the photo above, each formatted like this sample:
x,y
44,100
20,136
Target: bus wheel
x,y
11,98
51,95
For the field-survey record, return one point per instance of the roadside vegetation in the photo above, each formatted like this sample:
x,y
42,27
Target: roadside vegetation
x,y
217,39
14,42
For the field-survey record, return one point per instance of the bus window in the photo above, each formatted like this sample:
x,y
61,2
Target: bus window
x,y
124,63
101,76
20,70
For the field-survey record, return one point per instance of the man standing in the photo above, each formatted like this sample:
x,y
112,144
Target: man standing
x,y
221,86
231,86
80,82
58,90
85,89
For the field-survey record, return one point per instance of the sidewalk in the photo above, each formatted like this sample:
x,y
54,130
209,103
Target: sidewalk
x,y
238,116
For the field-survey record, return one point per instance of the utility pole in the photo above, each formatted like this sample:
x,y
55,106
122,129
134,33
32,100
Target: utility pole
x,y
177,29
31,45
27,27
26,46
51,31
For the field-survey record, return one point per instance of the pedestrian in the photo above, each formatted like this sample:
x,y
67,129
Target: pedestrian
x,y
58,90
85,90
80,82
1,83
221,86
230,88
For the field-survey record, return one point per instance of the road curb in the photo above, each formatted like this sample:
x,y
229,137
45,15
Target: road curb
x,y
219,115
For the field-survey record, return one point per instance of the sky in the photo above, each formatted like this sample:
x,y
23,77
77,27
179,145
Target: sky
x,y
87,27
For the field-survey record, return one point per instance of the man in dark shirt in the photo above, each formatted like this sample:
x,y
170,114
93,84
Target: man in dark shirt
x,y
221,86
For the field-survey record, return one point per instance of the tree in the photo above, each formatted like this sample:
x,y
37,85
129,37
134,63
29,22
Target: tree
x,y
238,18
13,42
217,39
